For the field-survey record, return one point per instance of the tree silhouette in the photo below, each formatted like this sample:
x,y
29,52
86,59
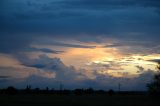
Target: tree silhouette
x,y
154,87
11,90
111,92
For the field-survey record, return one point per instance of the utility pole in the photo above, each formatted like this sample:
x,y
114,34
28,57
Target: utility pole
x,y
119,87
61,87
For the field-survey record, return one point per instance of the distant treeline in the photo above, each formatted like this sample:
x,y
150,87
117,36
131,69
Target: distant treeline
x,y
28,90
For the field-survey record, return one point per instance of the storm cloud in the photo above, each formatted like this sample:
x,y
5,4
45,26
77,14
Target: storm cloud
x,y
38,35
72,78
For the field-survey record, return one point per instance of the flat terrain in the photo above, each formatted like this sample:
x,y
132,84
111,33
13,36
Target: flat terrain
x,y
74,100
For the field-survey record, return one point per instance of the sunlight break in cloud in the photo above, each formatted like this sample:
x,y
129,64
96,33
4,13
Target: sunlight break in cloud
x,y
79,42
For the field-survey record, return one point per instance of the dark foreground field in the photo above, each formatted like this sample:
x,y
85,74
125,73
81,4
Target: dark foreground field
x,y
77,100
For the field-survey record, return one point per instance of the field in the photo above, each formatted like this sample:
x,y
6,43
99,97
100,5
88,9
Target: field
x,y
77,100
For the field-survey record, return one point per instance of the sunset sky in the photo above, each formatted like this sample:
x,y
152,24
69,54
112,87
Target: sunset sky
x,y
79,43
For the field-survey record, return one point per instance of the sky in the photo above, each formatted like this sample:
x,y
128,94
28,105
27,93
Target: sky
x,y
79,43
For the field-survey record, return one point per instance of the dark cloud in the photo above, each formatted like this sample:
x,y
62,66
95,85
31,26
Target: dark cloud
x,y
46,50
72,78
140,69
11,42
62,44
146,44
4,77
22,22
71,45
135,46
94,17
155,60
135,83
62,71
101,82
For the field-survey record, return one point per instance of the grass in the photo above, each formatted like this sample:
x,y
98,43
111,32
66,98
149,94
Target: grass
x,y
74,100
